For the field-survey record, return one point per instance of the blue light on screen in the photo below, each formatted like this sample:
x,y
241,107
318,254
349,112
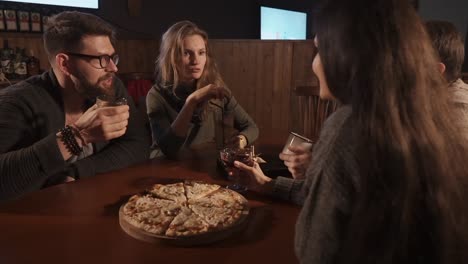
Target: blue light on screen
x,y
282,24
73,3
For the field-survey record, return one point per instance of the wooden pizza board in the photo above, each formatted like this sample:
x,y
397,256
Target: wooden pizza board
x,y
195,240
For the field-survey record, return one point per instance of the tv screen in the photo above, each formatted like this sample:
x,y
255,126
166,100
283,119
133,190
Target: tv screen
x,y
71,3
282,24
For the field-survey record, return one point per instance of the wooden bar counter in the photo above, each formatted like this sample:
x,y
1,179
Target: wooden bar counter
x,y
78,222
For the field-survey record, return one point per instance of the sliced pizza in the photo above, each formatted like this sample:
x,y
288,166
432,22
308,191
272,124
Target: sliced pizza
x,y
186,223
217,217
140,203
196,190
223,198
183,210
174,192
155,221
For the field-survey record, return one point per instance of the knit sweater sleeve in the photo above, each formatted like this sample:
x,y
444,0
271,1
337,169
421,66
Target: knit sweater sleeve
x,y
288,189
330,188
242,120
24,169
160,123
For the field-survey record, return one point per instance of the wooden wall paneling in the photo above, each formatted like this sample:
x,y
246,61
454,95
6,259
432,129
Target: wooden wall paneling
x,y
240,72
125,61
281,85
302,120
137,55
259,74
263,56
249,82
238,61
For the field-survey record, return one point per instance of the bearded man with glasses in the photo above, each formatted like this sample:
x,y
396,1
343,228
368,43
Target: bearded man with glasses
x,y
51,129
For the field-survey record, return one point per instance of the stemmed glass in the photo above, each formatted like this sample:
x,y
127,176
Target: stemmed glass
x,y
228,157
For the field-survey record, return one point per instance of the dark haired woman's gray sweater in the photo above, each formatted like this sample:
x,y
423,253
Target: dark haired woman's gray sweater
x,y
327,193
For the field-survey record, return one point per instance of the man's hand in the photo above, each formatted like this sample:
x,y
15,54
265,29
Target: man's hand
x,y
102,124
298,161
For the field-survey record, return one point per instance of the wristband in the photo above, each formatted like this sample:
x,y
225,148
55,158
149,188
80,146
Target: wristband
x,y
67,136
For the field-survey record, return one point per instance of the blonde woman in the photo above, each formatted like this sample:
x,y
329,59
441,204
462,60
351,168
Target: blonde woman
x,y
190,99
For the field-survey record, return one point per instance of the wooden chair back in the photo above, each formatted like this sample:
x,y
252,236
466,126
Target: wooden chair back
x,y
311,111
138,84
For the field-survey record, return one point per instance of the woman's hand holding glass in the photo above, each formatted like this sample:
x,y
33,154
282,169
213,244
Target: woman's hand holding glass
x,y
297,159
255,179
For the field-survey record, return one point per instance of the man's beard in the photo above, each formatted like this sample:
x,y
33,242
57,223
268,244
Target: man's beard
x,y
90,91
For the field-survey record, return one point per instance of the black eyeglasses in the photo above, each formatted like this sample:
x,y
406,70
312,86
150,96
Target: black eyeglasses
x,y
104,60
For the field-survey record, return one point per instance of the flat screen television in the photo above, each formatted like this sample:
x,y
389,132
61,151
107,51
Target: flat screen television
x,y
70,3
278,23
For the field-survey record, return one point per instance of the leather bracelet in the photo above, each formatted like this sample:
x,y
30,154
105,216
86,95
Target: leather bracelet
x,y
67,136
78,134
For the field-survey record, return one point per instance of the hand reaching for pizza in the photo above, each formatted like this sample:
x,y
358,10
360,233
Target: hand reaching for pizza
x,y
102,124
256,180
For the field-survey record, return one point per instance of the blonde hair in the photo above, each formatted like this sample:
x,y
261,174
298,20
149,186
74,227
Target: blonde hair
x,y
168,63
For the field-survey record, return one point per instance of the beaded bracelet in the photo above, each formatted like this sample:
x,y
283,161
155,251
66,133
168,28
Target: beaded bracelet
x,y
69,140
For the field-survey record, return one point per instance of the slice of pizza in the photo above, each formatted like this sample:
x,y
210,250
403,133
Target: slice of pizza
x,y
155,221
150,214
196,190
223,198
140,203
187,223
174,192
217,217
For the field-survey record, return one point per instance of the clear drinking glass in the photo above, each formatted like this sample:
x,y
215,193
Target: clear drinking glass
x,y
239,178
295,139
110,100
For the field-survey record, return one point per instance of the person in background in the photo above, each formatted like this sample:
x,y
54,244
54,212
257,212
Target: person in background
x,y
190,99
51,129
449,46
389,175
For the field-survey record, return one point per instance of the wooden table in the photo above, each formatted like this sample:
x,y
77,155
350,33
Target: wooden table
x,y
78,222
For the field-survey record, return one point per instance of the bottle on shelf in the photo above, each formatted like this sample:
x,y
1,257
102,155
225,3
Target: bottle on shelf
x,y
33,64
20,64
6,58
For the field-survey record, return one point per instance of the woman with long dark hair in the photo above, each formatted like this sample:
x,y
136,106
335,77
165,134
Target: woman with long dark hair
x,y
388,179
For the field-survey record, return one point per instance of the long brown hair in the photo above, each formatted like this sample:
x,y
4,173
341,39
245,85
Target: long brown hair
x,y
170,57
411,204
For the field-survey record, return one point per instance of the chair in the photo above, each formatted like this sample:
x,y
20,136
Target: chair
x,y
311,111
138,84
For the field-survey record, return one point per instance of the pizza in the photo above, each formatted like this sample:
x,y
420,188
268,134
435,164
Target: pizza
x,y
196,190
184,209
174,192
